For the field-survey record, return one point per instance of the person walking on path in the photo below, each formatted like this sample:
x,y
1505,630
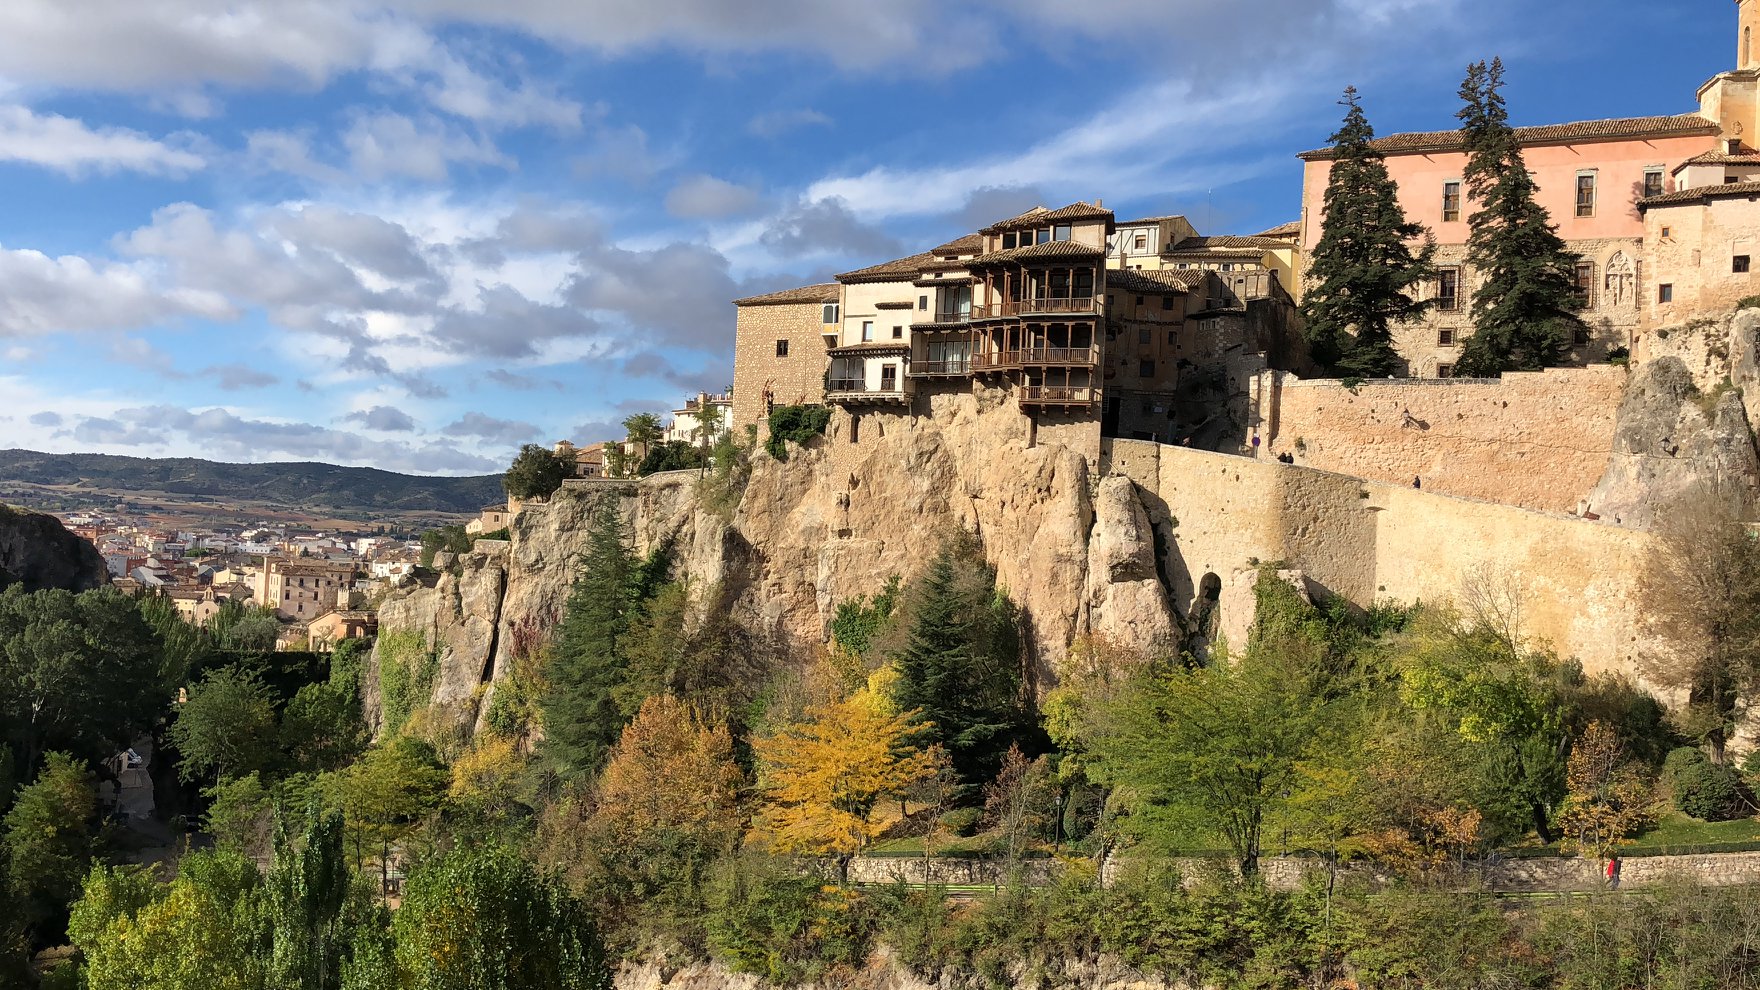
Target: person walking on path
x,y
1613,870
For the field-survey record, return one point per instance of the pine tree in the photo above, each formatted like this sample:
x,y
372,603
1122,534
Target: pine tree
x,y
1525,309
961,669
587,665
1363,268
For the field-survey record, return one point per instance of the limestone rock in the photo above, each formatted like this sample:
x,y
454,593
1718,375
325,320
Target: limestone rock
x,y
36,550
1127,602
1674,436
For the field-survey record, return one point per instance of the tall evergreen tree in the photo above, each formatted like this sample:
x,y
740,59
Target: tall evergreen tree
x,y
588,665
961,668
1363,268
1525,309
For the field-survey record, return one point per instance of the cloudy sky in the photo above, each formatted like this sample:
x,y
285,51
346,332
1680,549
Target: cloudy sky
x,y
414,234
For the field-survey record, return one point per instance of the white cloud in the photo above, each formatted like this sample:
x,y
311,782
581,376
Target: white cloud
x,y
391,144
46,295
704,197
779,122
68,145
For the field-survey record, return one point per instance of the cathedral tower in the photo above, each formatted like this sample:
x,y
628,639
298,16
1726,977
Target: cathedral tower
x,y
1748,26
1732,99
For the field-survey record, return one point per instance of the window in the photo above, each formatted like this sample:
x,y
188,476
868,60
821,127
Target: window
x,y
1166,302
1139,300
1580,337
1445,338
1585,282
1061,232
1448,289
833,313
1008,240
1665,293
1142,242
867,330
1146,370
889,378
1451,202
1739,264
782,348
1044,235
1143,336
922,303
1173,338
855,429
898,333
1652,182
1667,232
1445,371
1585,194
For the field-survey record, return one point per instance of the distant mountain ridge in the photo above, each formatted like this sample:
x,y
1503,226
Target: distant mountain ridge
x,y
300,483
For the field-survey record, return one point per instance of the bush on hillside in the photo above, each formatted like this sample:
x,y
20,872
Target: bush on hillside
x,y
1704,790
796,424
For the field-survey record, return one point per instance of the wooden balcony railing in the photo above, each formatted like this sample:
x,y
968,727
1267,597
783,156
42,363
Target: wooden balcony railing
x,y
1000,359
856,386
956,366
1058,394
951,316
1075,305
1059,356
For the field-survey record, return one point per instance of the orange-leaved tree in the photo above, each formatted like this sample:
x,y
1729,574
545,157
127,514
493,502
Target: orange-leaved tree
x,y
671,772
1609,797
823,777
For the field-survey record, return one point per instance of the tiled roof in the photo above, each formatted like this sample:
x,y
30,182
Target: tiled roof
x,y
1283,231
969,244
1040,215
1219,255
1127,280
1145,221
1211,243
1050,249
824,293
1702,194
1583,130
871,347
1719,158
902,268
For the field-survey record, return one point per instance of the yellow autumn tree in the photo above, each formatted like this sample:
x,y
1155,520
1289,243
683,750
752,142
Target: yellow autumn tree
x,y
671,773
1608,799
824,776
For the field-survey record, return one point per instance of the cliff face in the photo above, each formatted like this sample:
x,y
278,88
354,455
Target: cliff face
x,y
883,973
834,521
1676,434
37,550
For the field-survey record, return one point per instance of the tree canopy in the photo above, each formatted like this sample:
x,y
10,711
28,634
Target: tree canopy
x,y
537,472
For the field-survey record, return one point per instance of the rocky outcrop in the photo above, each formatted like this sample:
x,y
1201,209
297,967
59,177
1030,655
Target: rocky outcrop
x,y
36,550
884,973
1674,436
834,521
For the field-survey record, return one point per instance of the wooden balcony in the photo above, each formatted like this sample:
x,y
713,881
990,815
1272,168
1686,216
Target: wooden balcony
x,y
941,369
959,318
1058,357
1046,306
1056,395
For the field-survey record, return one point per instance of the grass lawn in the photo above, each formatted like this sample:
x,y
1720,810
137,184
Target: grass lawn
x,y
1677,829
912,845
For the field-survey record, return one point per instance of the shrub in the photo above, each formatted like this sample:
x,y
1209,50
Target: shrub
x,y
1704,790
797,424
769,920
1748,302
962,822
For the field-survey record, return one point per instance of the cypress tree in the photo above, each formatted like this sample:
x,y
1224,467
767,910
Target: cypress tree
x,y
1525,309
307,887
1363,268
581,716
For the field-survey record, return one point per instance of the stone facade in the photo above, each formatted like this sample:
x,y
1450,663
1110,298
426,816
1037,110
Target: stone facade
x,y
1538,440
1704,251
779,352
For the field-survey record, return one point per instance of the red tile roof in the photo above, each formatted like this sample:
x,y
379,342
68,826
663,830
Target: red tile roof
x,y
902,269
824,293
1703,194
1039,215
1624,128
1050,249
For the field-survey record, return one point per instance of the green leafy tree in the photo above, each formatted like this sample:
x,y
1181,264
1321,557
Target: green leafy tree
x,y
241,813
183,645
961,669
388,793
588,664
643,431
1525,309
208,928
322,728
537,472
306,890
227,727
243,628
1363,269
481,919
79,673
48,841
671,455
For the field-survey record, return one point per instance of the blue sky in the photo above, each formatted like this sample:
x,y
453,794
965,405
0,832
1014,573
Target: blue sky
x,y
413,234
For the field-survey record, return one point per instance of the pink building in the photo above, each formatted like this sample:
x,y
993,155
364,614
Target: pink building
x,y
1592,177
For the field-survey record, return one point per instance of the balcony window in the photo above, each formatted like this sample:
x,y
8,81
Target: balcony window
x,y
833,313
889,378
1084,283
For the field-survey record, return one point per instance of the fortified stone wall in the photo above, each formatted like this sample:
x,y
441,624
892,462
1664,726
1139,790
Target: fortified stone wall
x,y
797,378
1222,516
1538,440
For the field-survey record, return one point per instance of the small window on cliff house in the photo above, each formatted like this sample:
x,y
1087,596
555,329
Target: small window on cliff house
x,y
1142,242
1585,282
1665,293
1580,337
782,348
1739,265
1652,182
1445,338
1448,289
1445,371
1586,194
1146,370
1166,302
